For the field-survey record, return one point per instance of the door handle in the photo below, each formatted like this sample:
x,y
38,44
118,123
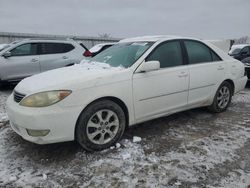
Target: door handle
x,y
220,68
65,57
183,74
34,60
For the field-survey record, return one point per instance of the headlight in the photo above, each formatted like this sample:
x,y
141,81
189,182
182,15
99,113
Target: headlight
x,y
44,99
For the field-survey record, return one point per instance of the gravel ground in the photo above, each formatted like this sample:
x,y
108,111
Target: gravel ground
x,y
190,149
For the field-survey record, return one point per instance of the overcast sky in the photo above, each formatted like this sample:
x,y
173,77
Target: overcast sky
x,y
210,19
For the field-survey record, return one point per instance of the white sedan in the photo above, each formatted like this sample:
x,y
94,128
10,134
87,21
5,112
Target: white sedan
x,y
135,80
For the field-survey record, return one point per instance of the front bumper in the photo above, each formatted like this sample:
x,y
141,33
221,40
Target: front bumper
x,y
59,120
240,84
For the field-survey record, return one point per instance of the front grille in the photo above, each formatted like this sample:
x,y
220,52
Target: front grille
x,y
18,96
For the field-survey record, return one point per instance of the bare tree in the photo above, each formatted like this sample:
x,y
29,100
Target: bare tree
x,y
242,40
104,35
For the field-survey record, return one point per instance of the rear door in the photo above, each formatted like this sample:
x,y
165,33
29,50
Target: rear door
x,y
55,55
23,62
206,69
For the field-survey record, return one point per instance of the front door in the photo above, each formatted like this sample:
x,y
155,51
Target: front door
x,y
23,62
158,92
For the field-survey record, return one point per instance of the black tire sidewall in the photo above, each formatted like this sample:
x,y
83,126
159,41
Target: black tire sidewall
x,y
81,127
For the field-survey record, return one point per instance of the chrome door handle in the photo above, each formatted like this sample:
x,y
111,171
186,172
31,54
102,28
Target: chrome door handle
x,y
34,60
65,57
183,74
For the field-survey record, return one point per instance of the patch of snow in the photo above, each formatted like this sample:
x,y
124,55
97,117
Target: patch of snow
x,y
136,139
87,64
13,178
3,117
98,47
178,183
118,145
126,156
45,176
242,97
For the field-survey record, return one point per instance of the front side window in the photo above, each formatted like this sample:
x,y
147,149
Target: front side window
x,y
168,54
24,50
245,51
234,51
55,48
197,52
122,54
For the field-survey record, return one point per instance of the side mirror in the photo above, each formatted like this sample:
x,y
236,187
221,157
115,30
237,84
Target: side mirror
x,y
6,54
149,66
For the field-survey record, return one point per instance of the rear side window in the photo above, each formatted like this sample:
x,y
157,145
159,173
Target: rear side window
x,y
55,48
197,52
168,54
25,50
200,53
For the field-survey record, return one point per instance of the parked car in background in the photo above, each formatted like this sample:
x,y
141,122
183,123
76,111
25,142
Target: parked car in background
x,y
97,49
133,81
240,51
3,46
246,62
32,56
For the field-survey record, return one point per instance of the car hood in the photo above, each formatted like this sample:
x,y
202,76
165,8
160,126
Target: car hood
x,y
72,78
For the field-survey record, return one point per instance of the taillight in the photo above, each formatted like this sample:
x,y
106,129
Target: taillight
x,y
87,53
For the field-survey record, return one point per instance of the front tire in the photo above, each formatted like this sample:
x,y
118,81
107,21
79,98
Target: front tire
x,y
100,125
222,98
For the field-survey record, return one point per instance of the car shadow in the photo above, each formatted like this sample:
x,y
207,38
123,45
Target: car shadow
x,y
248,84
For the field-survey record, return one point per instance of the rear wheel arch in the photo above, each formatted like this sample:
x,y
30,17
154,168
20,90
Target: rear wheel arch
x,y
231,83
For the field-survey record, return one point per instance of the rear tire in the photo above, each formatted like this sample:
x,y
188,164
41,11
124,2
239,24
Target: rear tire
x,y
1,84
100,125
222,98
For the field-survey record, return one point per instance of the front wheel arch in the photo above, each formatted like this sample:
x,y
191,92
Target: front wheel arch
x,y
114,99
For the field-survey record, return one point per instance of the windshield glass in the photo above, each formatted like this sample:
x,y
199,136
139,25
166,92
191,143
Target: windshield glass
x,y
235,51
122,54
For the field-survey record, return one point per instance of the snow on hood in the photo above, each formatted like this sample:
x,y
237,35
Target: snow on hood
x,y
65,78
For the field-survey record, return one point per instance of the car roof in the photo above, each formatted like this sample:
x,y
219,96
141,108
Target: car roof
x,y
104,44
46,40
154,38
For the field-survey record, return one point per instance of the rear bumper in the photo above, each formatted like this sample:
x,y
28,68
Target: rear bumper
x,y
240,84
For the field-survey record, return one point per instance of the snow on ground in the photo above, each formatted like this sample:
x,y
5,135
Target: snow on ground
x,y
190,149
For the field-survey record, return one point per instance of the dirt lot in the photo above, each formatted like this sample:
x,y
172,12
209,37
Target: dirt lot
x,y
189,149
